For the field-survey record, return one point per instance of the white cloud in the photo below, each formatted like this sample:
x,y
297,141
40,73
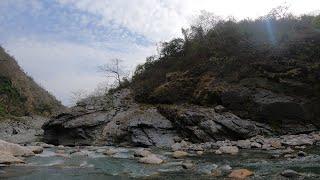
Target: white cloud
x,y
162,19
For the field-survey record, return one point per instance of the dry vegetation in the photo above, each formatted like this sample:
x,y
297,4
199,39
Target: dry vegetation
x,y
19,94
279,52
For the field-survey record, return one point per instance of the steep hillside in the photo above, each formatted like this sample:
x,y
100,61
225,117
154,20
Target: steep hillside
x,y
19,94
267,70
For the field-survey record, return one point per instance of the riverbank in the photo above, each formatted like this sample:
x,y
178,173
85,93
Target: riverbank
x,y
288,156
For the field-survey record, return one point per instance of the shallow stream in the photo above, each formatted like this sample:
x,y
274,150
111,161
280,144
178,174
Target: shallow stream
x,y
92,164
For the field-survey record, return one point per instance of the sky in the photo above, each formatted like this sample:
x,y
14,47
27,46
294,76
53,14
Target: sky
x,y
60,43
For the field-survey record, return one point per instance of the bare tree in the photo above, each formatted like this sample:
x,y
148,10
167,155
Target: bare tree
x,y
115,70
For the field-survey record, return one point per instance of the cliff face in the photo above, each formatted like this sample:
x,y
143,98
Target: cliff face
x,y
19,94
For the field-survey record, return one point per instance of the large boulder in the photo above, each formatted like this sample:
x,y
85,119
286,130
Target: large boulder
x,y
14,149
121,121
8,159
201,124
75,128
84,123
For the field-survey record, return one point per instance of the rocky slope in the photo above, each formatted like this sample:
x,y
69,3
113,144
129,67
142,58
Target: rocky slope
x,y
19,94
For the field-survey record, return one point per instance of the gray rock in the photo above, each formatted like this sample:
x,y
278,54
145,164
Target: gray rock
x,y
219,109
201,124
9,159
75,128
208,168
142,153
290,173
229,150
244,144
289,113
297,140
176,147
187,165
255,145
125,123
118,119
149,128
36,149
151,159
226,168
177,139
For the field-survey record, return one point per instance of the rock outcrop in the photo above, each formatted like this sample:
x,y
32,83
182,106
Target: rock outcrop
x,y
201,124
286,114
120,120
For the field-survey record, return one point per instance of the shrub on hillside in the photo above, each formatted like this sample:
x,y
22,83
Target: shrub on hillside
x,y
233,50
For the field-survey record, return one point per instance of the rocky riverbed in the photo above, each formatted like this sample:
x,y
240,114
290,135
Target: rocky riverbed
x,y
289,156
117,138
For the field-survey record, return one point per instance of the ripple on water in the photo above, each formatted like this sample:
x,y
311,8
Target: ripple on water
x,y
85,164
47,163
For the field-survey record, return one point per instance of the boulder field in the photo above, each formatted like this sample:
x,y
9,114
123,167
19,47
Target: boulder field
x,y
117,119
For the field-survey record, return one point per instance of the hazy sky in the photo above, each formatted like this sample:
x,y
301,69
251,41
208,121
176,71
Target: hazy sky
x,y
61,42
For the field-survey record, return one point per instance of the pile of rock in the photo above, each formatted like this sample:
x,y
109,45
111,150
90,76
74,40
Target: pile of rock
x,y
258,142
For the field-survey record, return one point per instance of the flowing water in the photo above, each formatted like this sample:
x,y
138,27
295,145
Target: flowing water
x,y
96,166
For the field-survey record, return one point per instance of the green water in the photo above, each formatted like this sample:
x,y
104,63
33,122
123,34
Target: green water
x,y
48,166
